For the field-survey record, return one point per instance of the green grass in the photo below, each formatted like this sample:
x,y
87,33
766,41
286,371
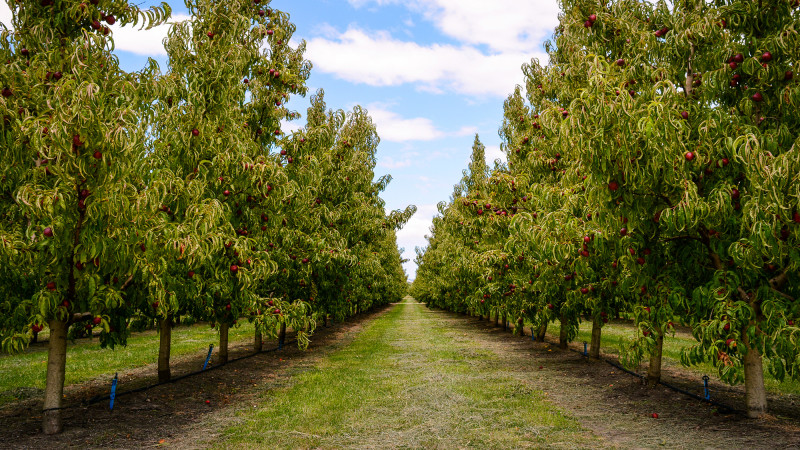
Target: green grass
x,y
614,334
23,375
407,380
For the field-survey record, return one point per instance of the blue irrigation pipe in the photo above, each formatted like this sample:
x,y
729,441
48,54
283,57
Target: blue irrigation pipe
x,y
113,394
102,398
208,358
707,398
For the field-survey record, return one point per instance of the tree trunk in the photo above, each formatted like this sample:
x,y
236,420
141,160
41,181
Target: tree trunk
x,y
541,332
520,327
562,335
56,369
282,336
597,329
223,343
35,337
325,320
164,344
258,341
504,321
755,393
497,319
654,371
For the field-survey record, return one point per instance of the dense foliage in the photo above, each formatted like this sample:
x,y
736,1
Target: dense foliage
x,y
652,169
150,196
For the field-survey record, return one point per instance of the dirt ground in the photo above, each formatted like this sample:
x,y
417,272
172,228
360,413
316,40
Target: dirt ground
x,y
618,407
607,402
167,412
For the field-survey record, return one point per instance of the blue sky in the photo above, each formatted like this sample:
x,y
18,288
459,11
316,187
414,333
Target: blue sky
x,y
432,73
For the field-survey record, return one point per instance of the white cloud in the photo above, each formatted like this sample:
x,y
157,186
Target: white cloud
x,y
501,25
144,42
394,128
130,38
493,152
387,162
5,14
379,60
290,127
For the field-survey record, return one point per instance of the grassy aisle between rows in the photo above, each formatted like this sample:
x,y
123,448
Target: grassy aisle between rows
x,y
408,380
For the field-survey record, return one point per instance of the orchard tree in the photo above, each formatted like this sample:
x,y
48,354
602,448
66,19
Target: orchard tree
x,y
73,139
221,106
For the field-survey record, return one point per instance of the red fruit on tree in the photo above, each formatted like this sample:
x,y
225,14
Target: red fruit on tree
x,y
234,269
51,286
766,57
620,62
613,186
796,217
738,58
195,132
757,97
190,274
111,20
788,75
689,156
97,320
593,17
735,193
549,306
685,115
97,155
48,232
623,231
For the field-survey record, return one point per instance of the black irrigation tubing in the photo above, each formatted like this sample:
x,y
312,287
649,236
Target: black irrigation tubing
x,y
666,385
101,398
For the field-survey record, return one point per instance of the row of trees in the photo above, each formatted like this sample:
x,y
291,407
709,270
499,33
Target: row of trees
x,y
652,168
160,195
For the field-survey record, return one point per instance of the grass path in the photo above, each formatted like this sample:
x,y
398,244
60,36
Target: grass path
x,y
410,379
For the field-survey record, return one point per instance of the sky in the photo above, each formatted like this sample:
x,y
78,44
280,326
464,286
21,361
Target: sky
x,y
431,73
